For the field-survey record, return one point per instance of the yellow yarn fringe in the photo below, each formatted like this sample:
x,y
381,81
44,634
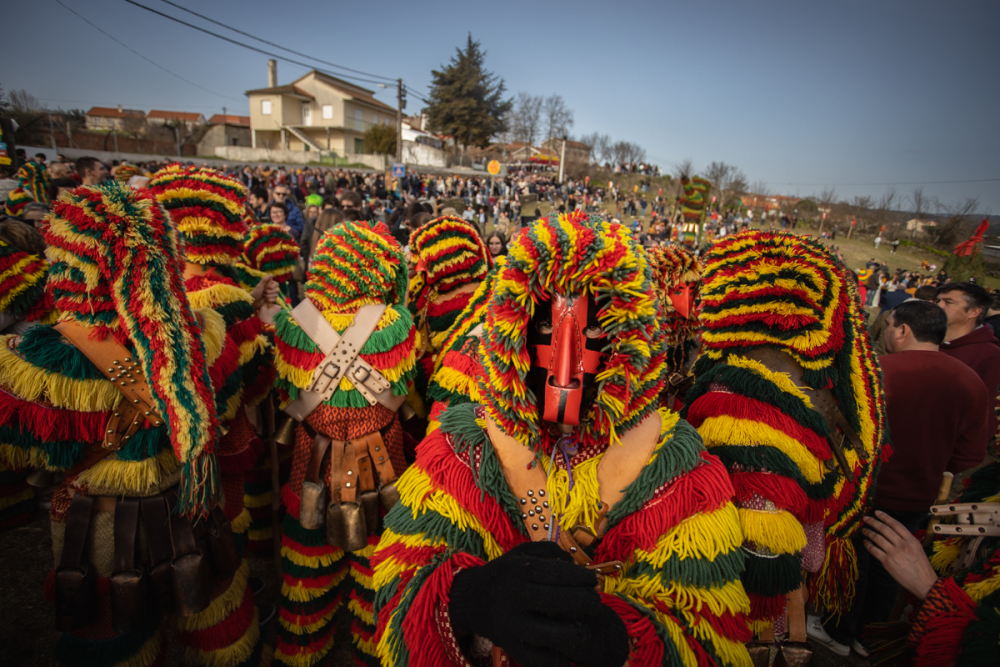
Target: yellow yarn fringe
x,y
980,589
241,522
213,334
260,500
32,383
300,593
130,477
218,295
366,646
221,607
414,486
10,501
779,531
580,507
730,652
726,430
16,457
945,552
366,616
703,535
231,655
310,628
305,659
313,562
782,380
729,597
259,344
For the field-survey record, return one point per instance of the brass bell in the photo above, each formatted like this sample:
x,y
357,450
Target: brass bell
x,y
334,525
355,530
284,435
313,506
389,496
370,501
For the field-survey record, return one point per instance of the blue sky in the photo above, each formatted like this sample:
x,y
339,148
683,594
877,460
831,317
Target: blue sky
x,y
800,95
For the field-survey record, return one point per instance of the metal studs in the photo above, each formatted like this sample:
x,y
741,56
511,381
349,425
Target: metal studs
x,y
541,517
111,430
381,458
523,515
348,485
376,449
545,504
958,530
618,567
531,494
135,400
123,384
572,550
541,493
111,370
523,501
147,413
531,512
982,530
537,508
534,526
350,472
546,526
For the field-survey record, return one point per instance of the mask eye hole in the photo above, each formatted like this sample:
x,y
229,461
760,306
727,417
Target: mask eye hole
x,y
544,327
593,332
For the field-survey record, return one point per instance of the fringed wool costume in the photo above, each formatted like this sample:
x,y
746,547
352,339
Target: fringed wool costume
x,y
116,279
22,298
455,379
451,260
357,266
32,185
658,522
208,209
268,250
789,396
676,281
958,623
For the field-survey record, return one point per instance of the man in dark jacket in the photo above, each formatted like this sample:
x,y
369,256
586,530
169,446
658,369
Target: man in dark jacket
x,y
969,340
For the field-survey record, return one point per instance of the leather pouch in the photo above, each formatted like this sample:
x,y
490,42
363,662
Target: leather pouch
x,y
129,582
225,557
313,505
355,527
75,579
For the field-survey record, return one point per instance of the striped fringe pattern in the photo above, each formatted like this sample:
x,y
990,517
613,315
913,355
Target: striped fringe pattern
x,y
574,254
22,281
783,291
208,209
312,572
114,246
227,632
676,271
270,249
258,498
360,598
693,201
448,253
680,594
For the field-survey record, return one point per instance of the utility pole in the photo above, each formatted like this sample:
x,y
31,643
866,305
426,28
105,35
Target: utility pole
x,y
562,159
400,105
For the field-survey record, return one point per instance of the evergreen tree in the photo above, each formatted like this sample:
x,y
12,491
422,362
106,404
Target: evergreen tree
x,y
467,101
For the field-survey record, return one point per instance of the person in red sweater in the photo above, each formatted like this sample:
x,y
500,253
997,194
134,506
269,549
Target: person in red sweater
x,y
971,341
937,409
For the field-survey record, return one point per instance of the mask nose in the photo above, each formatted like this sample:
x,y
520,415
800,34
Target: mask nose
x,y
566,357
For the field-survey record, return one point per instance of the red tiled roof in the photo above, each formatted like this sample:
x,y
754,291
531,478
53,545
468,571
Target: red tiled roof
x,y
111,112
219,119
174,115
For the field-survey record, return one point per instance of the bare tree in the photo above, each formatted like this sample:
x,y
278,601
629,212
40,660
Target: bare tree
x,y
22,100
955,216
728,182
918,200
684,169
558,118
134,126
527,117
885,215
860,206
825,201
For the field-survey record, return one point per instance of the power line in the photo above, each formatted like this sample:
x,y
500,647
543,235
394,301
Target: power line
x,y
174,74
247,46
277,46
847,185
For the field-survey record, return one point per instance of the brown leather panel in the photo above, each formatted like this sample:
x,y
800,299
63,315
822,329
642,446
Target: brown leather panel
x,y
349,478
380,458
321,444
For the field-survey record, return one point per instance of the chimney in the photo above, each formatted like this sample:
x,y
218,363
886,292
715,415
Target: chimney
x,y
272,73
119,108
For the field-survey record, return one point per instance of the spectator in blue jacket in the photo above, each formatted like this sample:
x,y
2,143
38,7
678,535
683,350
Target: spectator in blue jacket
x,y
282,195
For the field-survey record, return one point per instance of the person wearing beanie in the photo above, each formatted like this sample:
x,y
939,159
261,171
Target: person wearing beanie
x,y
269,250
124,395
789,396
208,209
343,408
565,519
450,260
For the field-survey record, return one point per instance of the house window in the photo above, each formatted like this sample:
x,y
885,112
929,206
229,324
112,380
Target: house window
x,y
327,111
265,107
359,120
375,118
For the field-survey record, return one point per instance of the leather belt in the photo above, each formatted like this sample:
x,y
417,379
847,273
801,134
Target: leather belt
x,y
342,360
